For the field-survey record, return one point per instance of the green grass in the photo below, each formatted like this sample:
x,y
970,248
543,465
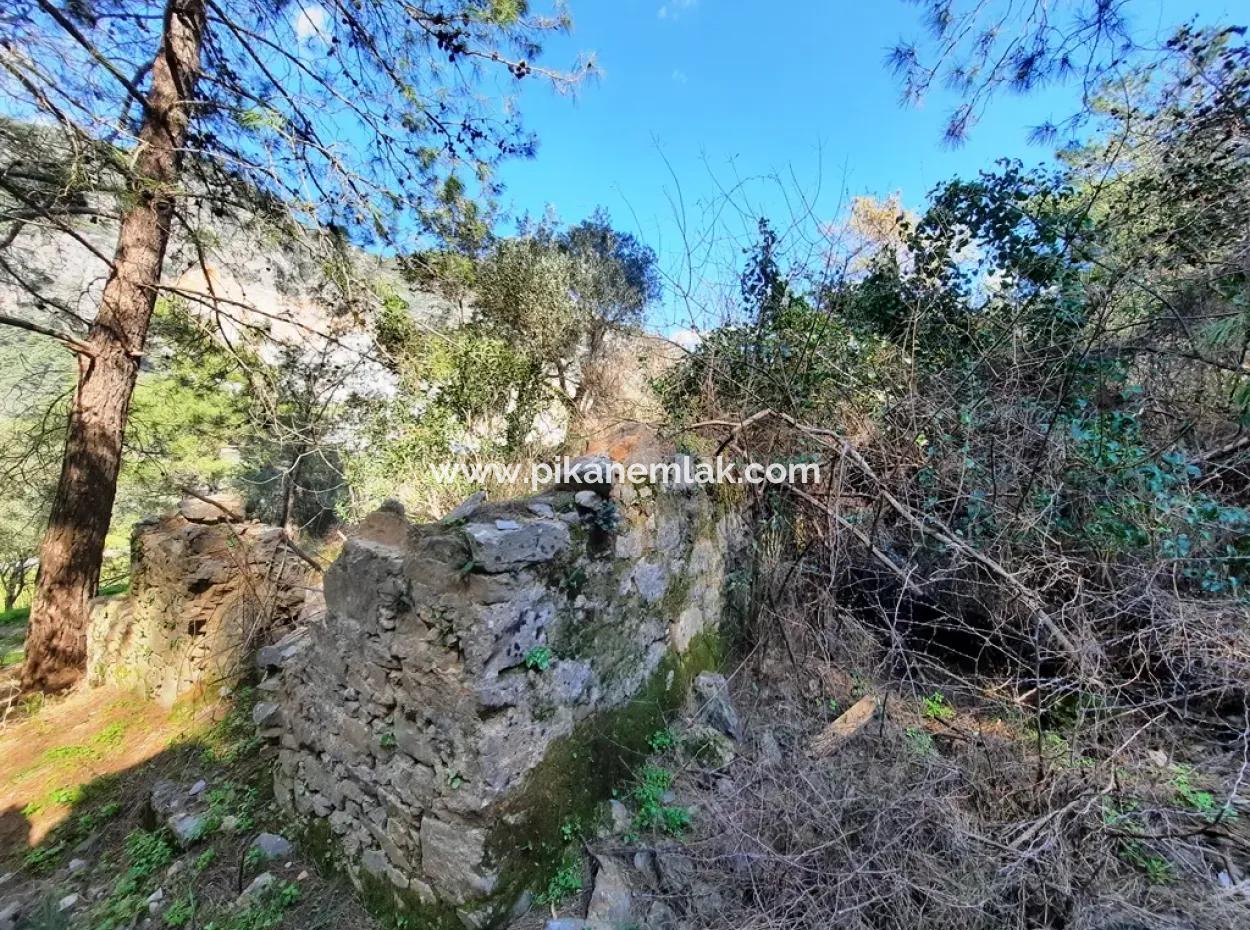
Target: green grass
x,y
15,616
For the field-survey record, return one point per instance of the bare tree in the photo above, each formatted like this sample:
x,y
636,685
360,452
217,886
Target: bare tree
x,y
317,115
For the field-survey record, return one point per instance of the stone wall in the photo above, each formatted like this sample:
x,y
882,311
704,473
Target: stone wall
x,y
477,683
205,591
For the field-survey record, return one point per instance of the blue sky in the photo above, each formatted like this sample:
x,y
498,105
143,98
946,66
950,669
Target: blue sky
x,y
741,88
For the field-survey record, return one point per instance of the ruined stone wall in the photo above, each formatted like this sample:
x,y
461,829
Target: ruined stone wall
x,y
476,684
205,591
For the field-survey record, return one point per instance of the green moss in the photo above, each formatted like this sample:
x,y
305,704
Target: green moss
x,y
399,908
392,906
582,770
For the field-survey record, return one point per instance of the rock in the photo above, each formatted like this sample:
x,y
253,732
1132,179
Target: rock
x,y
577,923
188,829
770,749
620,817
1158,757
166,798
453,857
588,500
465,508
611,900
229,823
257,886
661,917
67,903
198,788
502,550
393,505
708,746
200,511
858,716
675,870
77,865
273,846
280,653
587,473
9,914
711,695
155,900
266,714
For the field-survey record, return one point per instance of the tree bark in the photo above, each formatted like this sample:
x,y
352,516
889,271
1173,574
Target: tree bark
x,y
73,546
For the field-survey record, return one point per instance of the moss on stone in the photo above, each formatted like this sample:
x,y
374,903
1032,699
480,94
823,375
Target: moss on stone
x,y
382,899
581,771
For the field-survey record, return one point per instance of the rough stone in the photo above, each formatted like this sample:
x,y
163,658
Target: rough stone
x,y
155,901
465,508
611,901
501,550
453,857
67,903
188,829
621,820
711,695
214,509
266,714
256,887
273,846
708,746
587,473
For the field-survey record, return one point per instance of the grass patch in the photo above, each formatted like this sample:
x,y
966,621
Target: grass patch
x,y
15,616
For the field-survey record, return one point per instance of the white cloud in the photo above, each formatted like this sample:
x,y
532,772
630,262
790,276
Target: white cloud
x,y
310,22
679,76
674,8
688,339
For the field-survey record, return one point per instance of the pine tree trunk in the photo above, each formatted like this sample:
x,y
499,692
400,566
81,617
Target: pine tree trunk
x,y
73,546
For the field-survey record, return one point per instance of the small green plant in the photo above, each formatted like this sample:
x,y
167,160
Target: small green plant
x,y
1197,799
919,741
566,881
936,707
661,740
42,857
572,829
204,860
1158,870
538,659
147,852
181,911
387,740
253,857
833,705
68,795
653,813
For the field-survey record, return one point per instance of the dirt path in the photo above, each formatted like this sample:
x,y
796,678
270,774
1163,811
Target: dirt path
x,y
47,760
